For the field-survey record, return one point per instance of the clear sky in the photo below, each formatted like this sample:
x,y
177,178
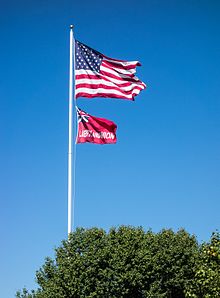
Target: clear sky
x,y
164,171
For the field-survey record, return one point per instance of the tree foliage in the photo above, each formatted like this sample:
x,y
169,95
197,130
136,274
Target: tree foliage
x,y
126,262
206,282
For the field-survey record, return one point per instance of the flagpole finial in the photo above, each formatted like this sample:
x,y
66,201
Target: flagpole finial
x,y
71,26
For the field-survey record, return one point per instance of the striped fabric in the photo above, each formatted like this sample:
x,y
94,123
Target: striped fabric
x,y
97,75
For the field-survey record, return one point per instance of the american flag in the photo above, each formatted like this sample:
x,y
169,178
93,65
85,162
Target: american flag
x,y
97,75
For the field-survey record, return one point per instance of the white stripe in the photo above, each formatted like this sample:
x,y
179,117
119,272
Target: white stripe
x,y
105,91
123,63
85,71
106,83
93,72
90,72
117,71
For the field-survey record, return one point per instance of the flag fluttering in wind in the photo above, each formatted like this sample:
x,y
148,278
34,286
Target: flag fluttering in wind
x,y
97,75
95,130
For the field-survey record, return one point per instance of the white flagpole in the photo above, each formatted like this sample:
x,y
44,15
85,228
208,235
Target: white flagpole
x,y
70,191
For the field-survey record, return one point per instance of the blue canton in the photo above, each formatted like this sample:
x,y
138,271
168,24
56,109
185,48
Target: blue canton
x,y
87,58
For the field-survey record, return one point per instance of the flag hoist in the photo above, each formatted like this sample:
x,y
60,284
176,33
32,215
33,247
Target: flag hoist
x,y
71,158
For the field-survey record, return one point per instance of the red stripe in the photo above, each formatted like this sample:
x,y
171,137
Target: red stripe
x,y
99,78
91,86
112,59
126,78
105,76
125,84
88,77
84,94
114,65
118,73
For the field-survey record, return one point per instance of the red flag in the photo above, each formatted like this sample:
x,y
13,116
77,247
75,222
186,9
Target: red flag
x,y
95,130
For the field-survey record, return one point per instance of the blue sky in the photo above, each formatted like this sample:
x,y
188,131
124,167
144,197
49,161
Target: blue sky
x,y
163,172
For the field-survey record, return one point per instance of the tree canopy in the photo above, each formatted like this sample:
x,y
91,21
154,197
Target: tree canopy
x,y
128,262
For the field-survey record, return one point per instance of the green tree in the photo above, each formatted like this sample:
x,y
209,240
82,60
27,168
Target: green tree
x,y
124,263
206,283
